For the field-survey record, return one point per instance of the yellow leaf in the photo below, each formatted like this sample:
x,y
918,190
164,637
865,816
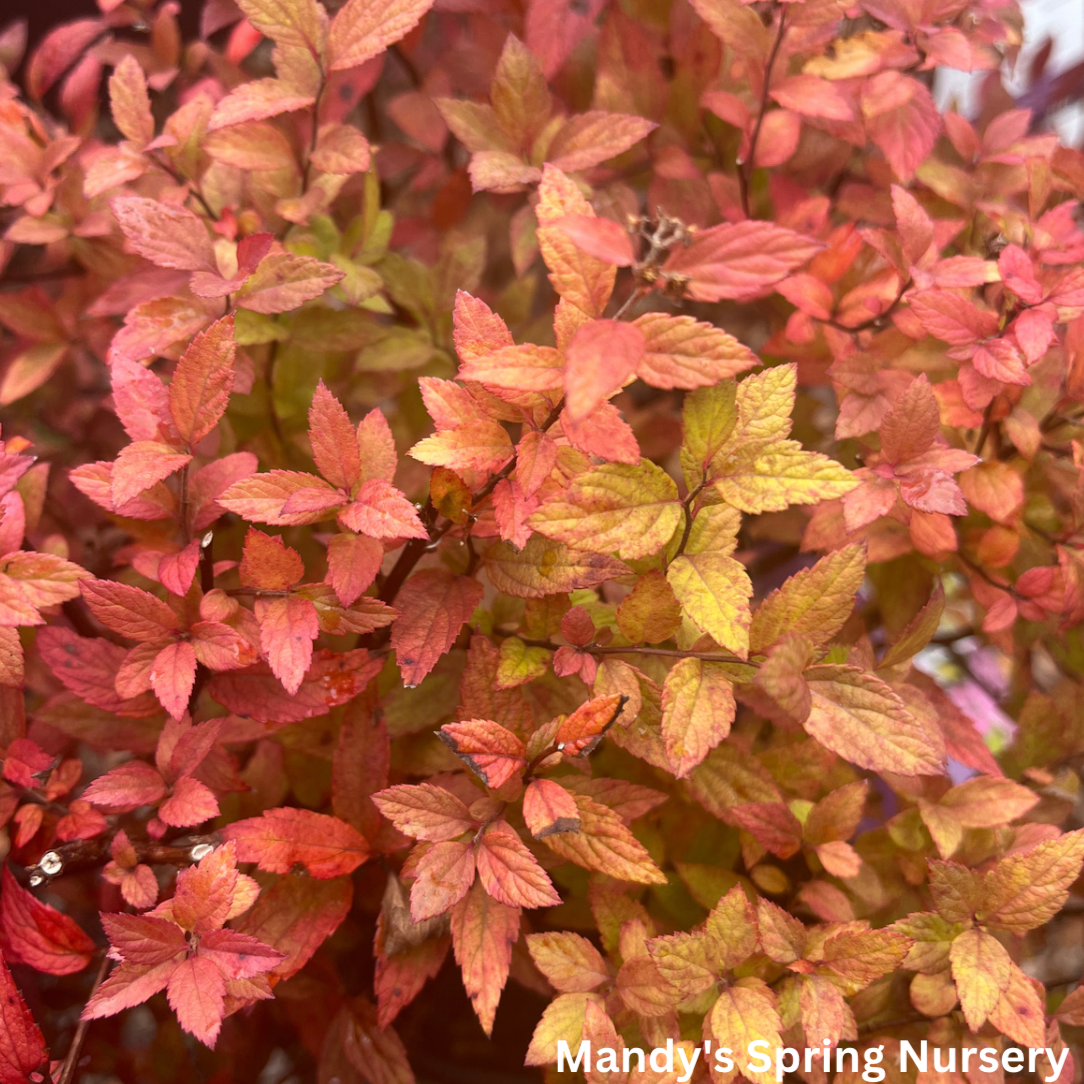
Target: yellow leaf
x,y
649,613
714,591
1026,890
543,568
518,664
605,844
781,475
944,827
859,717
691,962
563,1019
988,802
764,404
815,602
363,29
742,1016
287,22
863,956
715,530
932,936
709,417
697,711
570,962
981,969
631,509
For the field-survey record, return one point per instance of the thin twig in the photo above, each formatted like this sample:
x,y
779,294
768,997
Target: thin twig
x,y
984,432
746,167
71,1060
687,507
315,132
874,321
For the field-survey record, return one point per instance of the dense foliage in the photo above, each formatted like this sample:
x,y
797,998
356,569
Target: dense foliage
x,y
661,402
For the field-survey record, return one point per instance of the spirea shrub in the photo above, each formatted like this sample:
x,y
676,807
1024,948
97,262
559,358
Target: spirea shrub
x,y
571,505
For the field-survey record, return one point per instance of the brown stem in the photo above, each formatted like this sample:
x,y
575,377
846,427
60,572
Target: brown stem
x,y
81,854
163,163
687,506
984,432
746,167
71,1060
667,652
315,132
873,321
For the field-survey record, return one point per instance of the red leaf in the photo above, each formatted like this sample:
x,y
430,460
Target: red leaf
x,y
381,511
433,607
142,465
191,802
133,613
288,627
210,893
126,787
24,760
493,753
296,915
331,680
144,939
334,443
58,50
173,676
601,357
352,564
176,571
127,986
38,935
22,1046
196,993
483,933
281,838
88,667
202,382
599,237
901,119
740,260
238,955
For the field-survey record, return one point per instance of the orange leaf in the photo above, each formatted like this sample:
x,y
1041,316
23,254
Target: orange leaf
x,y
281,838
288,627
549,809
483,933
493,753
509,872
433,607
581,732
202,382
